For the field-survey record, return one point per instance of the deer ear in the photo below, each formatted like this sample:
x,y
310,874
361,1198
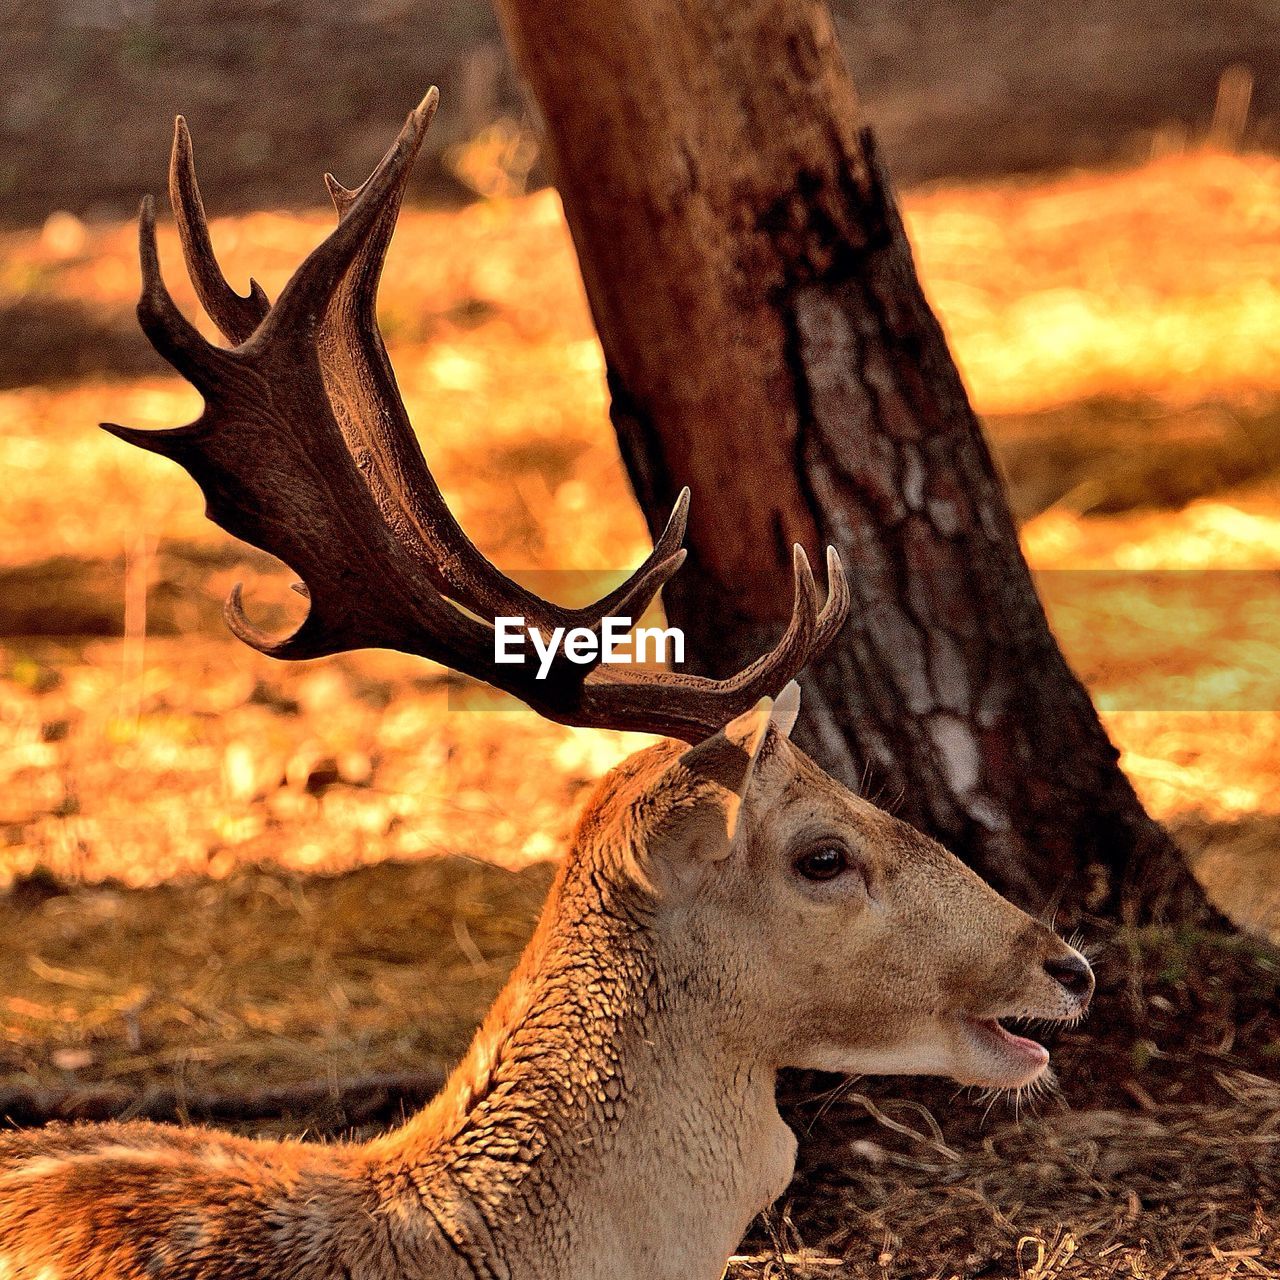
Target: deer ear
x,y
786,707
710,781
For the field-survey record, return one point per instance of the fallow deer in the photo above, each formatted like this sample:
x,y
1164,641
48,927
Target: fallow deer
x,y
726,909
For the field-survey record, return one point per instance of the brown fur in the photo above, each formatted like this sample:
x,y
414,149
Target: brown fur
x,y
614,1115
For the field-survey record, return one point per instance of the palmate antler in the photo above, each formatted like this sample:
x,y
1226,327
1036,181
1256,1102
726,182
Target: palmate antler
x,y
305,450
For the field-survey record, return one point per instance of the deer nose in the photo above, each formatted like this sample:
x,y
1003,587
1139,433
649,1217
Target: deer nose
x,y
1074,973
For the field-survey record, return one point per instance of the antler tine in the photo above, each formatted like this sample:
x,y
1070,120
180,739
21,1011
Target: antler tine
x,y
835,613
690,707
343,197
771,671
634,596
803,640
320,275
246,632
169,331
237,317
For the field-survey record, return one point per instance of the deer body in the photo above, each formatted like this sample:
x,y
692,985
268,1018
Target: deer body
x,y
726,909
593,1130
606,1143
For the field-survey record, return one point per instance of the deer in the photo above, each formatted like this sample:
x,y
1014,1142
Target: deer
x,y
725,910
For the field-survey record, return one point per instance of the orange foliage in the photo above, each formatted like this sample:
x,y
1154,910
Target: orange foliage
x,y
149,757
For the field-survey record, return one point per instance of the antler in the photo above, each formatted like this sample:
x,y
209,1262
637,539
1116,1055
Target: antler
x,y
305,450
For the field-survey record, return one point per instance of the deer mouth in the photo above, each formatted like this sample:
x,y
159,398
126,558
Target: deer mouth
x,y
1014,1060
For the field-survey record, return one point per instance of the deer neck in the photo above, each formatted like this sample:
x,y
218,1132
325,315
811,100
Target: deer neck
x,y
596,1128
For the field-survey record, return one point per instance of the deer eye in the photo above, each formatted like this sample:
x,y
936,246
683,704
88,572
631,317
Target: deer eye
x,y
824,862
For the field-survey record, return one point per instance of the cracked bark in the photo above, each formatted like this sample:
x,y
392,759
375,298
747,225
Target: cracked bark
x,y
768,343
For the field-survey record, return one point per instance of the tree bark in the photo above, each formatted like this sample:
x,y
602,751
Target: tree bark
x,y
768,344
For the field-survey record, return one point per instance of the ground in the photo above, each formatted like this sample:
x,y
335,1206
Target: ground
x,y
228,875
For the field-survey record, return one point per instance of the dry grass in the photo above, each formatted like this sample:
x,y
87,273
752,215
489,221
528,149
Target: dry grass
x,y
263,976
1080,1195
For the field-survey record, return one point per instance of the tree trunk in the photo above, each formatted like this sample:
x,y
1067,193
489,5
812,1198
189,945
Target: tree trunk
x,y
768,344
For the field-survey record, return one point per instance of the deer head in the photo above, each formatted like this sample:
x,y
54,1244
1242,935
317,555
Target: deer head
x,y
820,931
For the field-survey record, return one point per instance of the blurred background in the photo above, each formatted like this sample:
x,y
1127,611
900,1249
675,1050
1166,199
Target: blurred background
x,y
281,89
223,869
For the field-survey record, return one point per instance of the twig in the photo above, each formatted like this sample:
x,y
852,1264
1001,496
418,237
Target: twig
x,y
905,1129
